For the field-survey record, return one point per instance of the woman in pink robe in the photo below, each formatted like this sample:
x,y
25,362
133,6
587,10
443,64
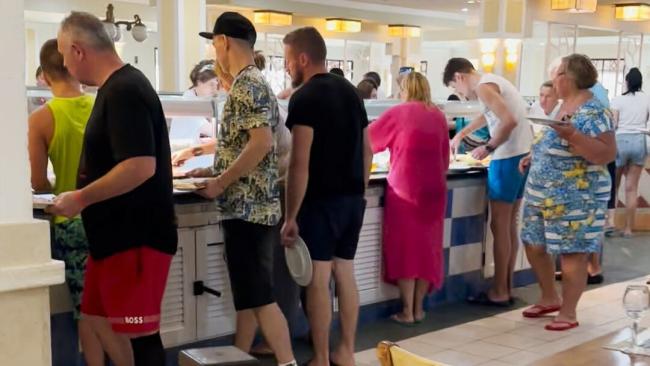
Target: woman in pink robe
x,y
416,135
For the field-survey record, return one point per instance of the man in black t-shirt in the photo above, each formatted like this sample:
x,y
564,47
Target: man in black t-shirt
x,y
125,198
327,177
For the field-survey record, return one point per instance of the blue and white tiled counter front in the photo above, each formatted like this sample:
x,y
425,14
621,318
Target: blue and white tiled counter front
x,y
189,320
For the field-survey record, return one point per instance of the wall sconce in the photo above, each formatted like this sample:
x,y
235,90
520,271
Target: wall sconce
x,y
272,17
632,12
343,25
488,53
512,51
575,6
404,31
136,27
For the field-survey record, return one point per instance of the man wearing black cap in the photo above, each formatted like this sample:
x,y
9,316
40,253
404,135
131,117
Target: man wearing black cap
x,y
246,173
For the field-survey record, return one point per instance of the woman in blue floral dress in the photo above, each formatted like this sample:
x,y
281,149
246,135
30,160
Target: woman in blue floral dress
x,y
567,192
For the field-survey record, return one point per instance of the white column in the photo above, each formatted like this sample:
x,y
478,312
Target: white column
x,y
26,269
181,48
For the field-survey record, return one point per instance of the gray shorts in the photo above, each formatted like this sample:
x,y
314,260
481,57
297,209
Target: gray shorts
x,y
631,150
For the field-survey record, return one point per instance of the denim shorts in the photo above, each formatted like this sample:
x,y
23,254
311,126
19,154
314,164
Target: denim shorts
x,y
631,150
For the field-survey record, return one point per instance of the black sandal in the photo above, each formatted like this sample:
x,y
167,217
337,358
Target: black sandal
x,y
483,299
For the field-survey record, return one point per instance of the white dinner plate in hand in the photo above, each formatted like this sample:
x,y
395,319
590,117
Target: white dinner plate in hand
x,y
42,201
546,121
299,262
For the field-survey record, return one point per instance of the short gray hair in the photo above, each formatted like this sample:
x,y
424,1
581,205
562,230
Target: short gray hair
x,y
88,30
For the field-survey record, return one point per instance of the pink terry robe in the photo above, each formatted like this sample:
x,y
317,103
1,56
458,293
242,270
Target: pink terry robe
x,y
416,194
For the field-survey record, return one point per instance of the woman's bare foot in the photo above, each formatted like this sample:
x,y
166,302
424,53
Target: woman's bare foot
x,y
419,315
403,318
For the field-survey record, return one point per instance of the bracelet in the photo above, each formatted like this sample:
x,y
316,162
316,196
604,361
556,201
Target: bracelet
x,y
197,151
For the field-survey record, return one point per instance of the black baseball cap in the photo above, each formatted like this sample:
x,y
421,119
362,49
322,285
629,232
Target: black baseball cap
x,y
233,25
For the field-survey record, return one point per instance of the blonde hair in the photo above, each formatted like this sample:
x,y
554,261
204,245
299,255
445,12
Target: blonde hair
x,y
417,88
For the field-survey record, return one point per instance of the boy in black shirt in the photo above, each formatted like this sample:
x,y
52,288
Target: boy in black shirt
x,y
328,173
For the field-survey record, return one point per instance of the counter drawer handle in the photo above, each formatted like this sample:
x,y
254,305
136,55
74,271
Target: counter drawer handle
x,y
200,289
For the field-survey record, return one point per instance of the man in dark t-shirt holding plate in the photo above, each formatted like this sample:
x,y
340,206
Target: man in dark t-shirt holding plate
x,y
327,176
125,198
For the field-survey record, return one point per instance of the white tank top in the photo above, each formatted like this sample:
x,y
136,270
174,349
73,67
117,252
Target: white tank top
x,y
521,137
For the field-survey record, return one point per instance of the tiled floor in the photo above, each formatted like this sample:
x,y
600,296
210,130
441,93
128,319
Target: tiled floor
x,y
460,334
509,339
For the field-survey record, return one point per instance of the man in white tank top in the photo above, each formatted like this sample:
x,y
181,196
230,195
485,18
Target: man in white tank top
x,y
511,139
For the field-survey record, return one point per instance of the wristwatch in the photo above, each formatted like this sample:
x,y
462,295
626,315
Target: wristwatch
x,y
197,151
489,148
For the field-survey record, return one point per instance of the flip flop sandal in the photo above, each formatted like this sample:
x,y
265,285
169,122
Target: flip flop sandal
x,y
483,299
423,318
403,323
560,326
538,311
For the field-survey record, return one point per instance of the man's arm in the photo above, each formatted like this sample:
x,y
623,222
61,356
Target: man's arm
x,y
123,178
491,97
298,172
260,143
41,128
367,157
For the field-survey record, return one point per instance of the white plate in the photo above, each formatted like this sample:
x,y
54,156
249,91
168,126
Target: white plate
x,y
546,121
299,262
41,201
459,166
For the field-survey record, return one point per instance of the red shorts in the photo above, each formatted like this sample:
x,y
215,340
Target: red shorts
x,y
127,288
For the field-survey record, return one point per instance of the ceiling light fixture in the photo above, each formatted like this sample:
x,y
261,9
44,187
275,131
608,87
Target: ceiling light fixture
x,y
136,27
343,25
404,31
272,17
575,6
632,12
464,10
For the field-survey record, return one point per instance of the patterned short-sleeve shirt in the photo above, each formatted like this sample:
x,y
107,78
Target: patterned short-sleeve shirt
x,y
557,176
251,104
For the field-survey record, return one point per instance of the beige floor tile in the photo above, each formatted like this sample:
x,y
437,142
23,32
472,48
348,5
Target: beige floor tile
x,y
496,363
522,358
538,332
419,348
443,340
497,324
516,316
366,356
456,358
514,340
563,344
486,350
474,331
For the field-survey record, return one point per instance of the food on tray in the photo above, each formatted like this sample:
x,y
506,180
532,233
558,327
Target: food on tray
x,y
470,161
190,184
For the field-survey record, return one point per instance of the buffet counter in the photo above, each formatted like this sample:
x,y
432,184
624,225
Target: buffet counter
x,y
188,318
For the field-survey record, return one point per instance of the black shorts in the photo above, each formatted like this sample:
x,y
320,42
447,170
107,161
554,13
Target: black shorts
x,y
330,227
249,256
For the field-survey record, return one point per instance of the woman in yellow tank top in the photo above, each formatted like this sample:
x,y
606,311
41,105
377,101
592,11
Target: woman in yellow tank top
x,y
56,133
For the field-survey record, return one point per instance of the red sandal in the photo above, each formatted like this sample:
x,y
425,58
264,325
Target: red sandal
x,y
560,326
537,311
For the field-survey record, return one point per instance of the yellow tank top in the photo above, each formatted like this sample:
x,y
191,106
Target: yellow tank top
x,y
70,118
